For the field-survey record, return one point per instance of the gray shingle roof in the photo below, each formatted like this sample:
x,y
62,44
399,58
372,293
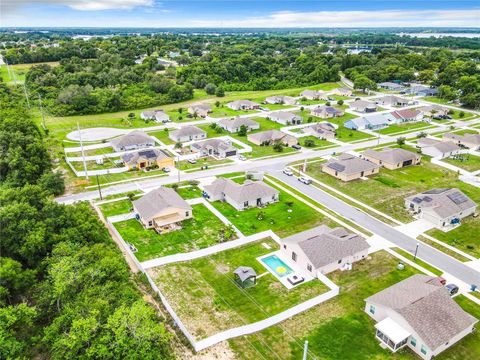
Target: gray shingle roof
x,y
150,154
427,307
363,104
244,273
323,246
349,164
237,122
443,202
150,204
284,116
250,190
218,144
189,130
135,137
271,135
391,156
327,110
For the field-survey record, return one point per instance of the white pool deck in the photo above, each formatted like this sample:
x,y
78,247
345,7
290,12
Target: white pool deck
x,y
284,279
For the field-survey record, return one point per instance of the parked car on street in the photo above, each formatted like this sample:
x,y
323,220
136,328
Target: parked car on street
x,y
242,157
305,180
296,147
166,169
452,289
288,172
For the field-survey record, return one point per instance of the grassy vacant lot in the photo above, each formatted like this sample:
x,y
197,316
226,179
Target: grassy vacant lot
x,y
18,71
317,143
206,297
162,135
189,192
405,128
338,329
224,111
386,191
466,161
275,217
193,236
92,152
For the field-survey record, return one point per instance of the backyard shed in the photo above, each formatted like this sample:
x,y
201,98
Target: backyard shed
x,y
245,276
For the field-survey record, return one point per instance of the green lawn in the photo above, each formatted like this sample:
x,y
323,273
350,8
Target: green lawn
x,y
206,297
194,235
386,191
224,111
18,71
116,208
465,131
108,163
189,192
92,152
276,217
467,162
405,127
462,237
418,261
338,329
162,135
317,142
207,161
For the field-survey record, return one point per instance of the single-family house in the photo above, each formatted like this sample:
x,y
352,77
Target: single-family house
x,y
241,196
471,141
271,137
421,90
363,106
147,158
432,110
370,122
388,85
281,99
392,100
343,91
314,95
437,148
407,115
201,110
162,209
132,141
326,112
187,133
392,158
441,207
322,250
234,125
323,131
418,313
158,116
214,147
243,105
348,167
285,118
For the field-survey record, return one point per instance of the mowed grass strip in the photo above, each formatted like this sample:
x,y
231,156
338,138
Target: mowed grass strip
x,y
275,217
337,329
202,231
206,297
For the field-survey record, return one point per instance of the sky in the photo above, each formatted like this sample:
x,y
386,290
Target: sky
x,y
239,13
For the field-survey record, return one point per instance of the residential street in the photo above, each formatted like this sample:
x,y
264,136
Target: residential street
x,y
427,253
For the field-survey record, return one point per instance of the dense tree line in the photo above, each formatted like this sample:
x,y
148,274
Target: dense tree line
x,y
108,79
65,290
456,75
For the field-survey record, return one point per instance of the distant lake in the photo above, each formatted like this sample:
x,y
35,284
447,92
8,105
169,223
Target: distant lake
x,y
439,35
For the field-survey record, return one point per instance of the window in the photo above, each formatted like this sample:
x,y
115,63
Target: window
x,y
187,213
294,256
340,261
423,349
309,267
372,309
413,341
150,223
284,246
245,204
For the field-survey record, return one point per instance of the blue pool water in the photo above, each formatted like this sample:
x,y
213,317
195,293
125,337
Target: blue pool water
x,y
274,263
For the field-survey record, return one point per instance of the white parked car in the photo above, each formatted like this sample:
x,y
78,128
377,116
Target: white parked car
x,y
192,161
242,157
305,180
166,169
288,172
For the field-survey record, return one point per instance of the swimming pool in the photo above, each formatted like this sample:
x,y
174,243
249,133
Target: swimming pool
x,y
275,264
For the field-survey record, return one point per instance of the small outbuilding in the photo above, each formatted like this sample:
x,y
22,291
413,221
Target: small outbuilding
x,y
245,276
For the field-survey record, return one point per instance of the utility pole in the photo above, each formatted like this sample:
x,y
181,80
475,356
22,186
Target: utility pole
x,y
99,189
416,250
26,95
305,166
83,152
305,350
41,111
178,169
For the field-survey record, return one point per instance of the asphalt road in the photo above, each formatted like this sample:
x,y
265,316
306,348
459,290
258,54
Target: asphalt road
x,y
427,253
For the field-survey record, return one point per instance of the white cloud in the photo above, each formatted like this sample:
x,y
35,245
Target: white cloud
x,y
10,6
380,18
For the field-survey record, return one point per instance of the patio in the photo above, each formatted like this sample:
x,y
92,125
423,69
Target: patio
x,y
284,270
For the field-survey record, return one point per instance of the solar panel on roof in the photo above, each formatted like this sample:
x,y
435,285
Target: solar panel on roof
x,y
148,153
416,200
457,197
336,166
427,198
